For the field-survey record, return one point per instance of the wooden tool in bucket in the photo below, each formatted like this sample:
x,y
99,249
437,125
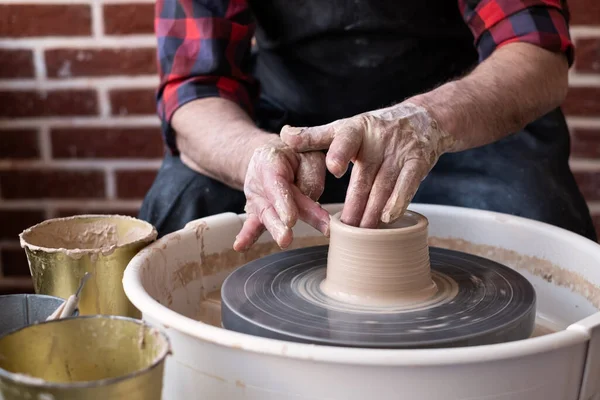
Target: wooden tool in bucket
x,y
67,308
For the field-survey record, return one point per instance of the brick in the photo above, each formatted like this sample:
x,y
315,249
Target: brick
x,y
67,63
584,12
585,143
107,143
133,102
596,219
587,55
23,104
589,184
51,184
19,144
125,19
26,20
13,222
10,285
16,64
14,263
134,184
582,101
60,213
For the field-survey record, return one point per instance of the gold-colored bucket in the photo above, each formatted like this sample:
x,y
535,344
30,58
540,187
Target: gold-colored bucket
x,y
60,251
91,358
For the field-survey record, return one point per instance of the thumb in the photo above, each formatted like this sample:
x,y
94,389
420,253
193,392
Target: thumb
x,y
309,138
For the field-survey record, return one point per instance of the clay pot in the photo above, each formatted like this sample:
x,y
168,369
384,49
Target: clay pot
x,y
385,266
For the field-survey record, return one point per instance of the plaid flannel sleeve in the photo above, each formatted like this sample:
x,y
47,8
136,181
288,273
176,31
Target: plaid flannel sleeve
x,y
495,23
203,51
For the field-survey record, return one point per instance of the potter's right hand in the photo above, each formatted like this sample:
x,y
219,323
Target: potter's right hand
x,y
282,186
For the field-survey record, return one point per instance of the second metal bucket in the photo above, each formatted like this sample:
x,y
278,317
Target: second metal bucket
x,y
83,358
20,310
60,251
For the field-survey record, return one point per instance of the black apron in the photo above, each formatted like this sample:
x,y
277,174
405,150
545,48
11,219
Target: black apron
x,y
321,60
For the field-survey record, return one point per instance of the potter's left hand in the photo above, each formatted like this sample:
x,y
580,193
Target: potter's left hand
x,y
393,150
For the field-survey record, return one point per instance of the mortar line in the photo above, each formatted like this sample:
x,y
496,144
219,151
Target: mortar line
x,y
50,212
68,42
594,207
76,164
128,1
10,244
95,121
69,2
97,20
104,106
39,66
110,82
44,143
584,122
51,2
110,183
584,31
584,165
577,79
29,204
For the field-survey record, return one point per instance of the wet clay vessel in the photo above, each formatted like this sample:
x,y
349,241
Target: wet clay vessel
x,y
385,266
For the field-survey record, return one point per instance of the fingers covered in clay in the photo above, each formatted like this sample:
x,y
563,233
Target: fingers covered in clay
x,y
382,189
392,149
305,139
249,234
341,138
281,187
310,176
411,176
357,195
311,212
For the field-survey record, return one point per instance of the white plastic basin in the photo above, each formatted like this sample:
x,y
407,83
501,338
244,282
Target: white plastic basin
x,y
175,283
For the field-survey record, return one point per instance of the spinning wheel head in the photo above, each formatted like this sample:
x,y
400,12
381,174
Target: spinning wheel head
x,y
478,301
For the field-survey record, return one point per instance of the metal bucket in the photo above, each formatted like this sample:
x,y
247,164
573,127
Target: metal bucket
x,y
20,310
60,251
91,358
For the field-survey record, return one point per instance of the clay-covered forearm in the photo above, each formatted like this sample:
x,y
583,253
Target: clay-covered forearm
x,y
517,84
217,138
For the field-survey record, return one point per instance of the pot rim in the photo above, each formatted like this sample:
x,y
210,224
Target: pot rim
x,y
148,238
420,224
39,383
573,335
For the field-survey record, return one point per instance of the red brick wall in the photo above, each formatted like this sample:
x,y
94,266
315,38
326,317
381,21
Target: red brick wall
x,y
78,131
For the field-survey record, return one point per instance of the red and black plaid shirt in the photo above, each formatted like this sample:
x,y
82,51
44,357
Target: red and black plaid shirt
x,y
202,47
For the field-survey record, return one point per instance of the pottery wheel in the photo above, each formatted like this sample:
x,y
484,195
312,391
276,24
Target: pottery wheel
x,y
478,302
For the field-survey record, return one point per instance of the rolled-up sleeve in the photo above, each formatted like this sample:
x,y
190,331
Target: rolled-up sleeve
x,y
203,51
495,23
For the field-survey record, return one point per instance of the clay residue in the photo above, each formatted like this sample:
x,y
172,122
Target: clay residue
x,y
72,235
212,264
210,309
185,274
80,235
229,259
541,330
534,265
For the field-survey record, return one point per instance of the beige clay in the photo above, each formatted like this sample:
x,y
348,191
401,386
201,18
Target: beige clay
x,y
385,266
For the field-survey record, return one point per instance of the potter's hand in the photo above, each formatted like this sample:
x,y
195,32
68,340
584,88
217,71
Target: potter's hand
x,y
392,149
282,186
